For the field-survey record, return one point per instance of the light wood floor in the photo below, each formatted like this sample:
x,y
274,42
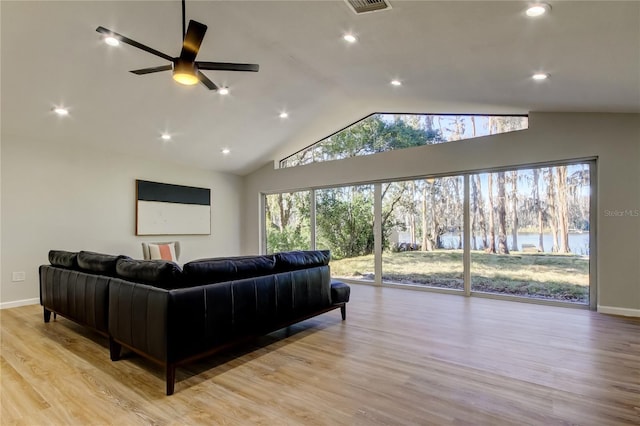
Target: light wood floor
x,y
402,357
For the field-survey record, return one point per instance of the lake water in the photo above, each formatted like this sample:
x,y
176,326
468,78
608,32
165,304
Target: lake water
x,y
578,242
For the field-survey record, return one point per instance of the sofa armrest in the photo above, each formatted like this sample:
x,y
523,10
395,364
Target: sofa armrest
x,y
340,292
138,317
75,295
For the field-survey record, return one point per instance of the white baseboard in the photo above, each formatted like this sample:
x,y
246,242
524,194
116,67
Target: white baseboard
x,y
25,302
612,310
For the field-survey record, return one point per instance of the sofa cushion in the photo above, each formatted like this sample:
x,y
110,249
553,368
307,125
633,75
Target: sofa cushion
x,y
158,273
216,270
294,260
63,259
98,263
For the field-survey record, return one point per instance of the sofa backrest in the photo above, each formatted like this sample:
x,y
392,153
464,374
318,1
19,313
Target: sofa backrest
x,y
98,263
159,273
221,269
301,259
168,275
217,270
63,259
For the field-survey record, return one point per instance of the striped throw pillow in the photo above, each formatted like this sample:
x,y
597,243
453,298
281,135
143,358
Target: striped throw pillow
x,y
163,251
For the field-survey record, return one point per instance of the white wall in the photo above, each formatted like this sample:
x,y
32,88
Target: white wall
x,y
58,197
613,138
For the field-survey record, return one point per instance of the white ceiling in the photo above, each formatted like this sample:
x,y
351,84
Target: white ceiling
x,y
453,57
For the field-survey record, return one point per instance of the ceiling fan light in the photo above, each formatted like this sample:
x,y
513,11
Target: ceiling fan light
x,y
186,79
185,73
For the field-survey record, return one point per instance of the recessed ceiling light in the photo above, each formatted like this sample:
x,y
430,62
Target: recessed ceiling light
x,y
223,91
349,38
537,9
61,111
396,83
166,137
111,41
540,76
284,114
225,151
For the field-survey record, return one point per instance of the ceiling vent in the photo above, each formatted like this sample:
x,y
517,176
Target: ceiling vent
x,y
364,6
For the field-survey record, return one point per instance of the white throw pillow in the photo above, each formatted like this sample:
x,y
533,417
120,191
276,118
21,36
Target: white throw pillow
x,y
163,251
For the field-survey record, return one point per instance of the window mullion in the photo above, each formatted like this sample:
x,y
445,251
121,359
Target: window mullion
x,y
466,245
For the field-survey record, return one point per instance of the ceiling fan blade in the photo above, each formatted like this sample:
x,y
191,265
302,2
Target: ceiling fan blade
x,y
225,66
192,41
204,80
133,43
152,69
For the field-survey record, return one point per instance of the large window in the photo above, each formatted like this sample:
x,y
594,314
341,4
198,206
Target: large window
x,y
529,231
386,132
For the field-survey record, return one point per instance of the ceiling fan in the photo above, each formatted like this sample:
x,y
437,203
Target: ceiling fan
x,y
186,70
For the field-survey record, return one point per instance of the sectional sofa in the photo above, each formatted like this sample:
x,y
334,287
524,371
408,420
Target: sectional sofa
x,y
174,315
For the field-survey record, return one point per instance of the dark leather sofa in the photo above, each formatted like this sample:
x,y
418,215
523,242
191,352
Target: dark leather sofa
x,y
173,316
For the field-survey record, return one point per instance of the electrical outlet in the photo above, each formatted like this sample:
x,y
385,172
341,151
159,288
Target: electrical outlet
x,y
17,276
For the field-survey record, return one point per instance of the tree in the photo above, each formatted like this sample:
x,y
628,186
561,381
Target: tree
x,y
457,208
551,209
287,221
502,215
579,200
563,213
344,220
481,222
474,212
538,208
491,248
514,210
393,196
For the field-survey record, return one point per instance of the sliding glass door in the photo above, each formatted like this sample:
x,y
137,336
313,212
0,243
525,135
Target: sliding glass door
x,y
344,225
530,231
422,232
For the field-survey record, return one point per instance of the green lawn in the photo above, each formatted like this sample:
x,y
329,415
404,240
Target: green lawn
x,y
540,275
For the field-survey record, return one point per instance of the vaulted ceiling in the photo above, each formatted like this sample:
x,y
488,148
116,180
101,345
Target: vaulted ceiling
x,y
452,57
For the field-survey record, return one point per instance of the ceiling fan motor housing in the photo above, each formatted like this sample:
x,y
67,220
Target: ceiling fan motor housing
x,y
185,72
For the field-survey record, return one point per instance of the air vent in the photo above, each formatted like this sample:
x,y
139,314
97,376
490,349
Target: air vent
x,y
364,6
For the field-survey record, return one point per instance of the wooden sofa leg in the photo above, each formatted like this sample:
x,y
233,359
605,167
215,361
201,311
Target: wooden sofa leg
x,y
114,349
343,311
47,315
171,378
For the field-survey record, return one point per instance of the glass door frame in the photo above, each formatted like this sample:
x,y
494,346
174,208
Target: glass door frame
x,y
377,203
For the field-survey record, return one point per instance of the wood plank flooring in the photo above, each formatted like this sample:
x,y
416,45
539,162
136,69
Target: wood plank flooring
x,y
401,358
